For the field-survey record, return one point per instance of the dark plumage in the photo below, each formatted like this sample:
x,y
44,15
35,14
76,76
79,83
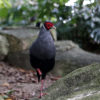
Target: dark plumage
x,y
42,51
45,65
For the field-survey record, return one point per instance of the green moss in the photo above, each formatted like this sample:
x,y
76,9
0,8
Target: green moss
x,y
93,97
62,68
82,95
81,81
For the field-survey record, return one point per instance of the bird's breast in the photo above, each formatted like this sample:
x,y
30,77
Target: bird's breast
x,y
43,47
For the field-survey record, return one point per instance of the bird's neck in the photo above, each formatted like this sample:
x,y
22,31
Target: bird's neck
x,y
44,32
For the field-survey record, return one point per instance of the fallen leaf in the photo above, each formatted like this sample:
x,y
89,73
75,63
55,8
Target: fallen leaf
x,y
21,70
8,99
33,80
6,84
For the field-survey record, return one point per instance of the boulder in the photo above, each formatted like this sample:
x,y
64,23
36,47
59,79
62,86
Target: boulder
x,y
19,59
18,38
25,34
15,44
81,84
11,43
68,58
4,47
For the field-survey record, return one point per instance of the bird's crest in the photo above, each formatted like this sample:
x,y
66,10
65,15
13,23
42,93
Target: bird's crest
x,y
48,25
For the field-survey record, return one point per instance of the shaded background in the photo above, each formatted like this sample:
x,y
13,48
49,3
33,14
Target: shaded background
x,y
76,20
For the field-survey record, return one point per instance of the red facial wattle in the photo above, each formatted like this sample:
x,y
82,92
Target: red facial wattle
x,y
48,25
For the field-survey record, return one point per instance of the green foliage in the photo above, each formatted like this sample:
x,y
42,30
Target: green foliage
x,y
5,12
4,6
19,14
81,25
5,3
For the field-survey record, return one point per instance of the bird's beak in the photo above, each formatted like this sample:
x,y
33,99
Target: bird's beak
x,y
54,27
53,33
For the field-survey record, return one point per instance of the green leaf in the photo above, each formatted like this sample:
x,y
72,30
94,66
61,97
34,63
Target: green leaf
x,y
5,3
3,12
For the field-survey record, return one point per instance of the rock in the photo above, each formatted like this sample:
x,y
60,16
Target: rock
x,y
25,34
70,57
9,44
19,59
62,46
4,47
15,44
81,84
19,40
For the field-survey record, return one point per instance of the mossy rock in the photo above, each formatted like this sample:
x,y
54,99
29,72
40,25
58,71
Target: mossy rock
x,y
25,34
15,44
19,40
19,59
4,47
81,84
70,57
10,44
63,67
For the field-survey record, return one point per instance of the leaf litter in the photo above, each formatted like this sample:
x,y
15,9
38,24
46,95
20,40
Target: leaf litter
x,y
19,84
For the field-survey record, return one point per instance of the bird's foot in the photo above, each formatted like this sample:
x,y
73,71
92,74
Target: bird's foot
x,y
42,94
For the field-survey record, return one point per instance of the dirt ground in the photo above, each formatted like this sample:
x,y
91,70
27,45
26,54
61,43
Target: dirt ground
x,y
19,84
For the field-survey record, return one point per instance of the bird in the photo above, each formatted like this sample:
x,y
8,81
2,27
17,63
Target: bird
x,y
42,52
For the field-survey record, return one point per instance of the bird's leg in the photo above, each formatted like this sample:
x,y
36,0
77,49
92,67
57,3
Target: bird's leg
x,y
42,84
39,71
41,89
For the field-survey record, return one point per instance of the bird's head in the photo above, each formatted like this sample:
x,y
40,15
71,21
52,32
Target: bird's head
x,y
50,26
